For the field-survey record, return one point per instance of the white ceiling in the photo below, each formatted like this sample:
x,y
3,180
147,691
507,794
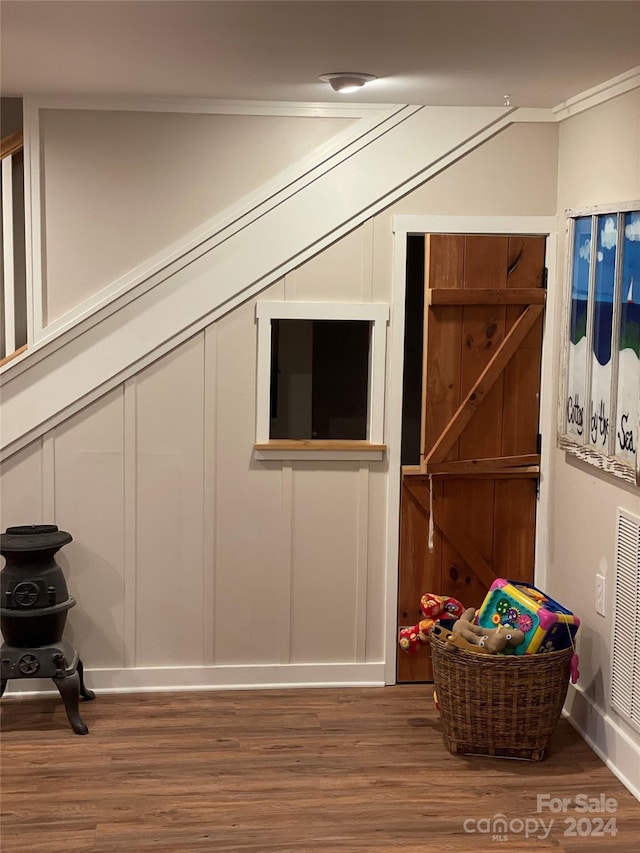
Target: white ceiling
x,y
441,53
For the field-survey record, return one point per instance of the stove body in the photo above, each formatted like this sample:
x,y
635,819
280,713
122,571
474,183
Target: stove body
x,y
34,602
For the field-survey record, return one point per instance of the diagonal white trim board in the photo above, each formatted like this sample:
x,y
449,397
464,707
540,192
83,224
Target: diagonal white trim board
x,y
214,277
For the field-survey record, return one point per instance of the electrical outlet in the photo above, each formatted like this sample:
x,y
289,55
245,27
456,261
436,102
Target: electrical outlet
x,y
600,594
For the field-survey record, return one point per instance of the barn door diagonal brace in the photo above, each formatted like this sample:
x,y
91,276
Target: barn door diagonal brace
x,y
465,547
484,383
444,521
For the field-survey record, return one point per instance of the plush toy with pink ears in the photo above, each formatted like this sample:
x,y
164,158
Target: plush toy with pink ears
x,y
434,608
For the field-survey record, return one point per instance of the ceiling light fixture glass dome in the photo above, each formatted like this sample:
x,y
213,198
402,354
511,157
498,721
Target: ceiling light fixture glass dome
x,y
347,81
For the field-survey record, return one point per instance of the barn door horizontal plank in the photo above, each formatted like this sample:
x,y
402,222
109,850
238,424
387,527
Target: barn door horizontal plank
x,y
484,383
531,471
485,296
478,465
454,471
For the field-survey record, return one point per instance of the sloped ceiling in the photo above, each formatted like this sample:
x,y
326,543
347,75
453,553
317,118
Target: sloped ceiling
x,y
434,53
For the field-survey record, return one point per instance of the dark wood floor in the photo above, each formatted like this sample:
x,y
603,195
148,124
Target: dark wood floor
x,y
332,771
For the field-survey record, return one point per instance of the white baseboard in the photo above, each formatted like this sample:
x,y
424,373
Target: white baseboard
x,y
253,677
617,748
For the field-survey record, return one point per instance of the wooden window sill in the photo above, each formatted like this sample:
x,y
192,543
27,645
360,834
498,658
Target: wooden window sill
x,y
319,449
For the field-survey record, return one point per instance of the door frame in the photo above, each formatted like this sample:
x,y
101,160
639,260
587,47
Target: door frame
x,y
402,227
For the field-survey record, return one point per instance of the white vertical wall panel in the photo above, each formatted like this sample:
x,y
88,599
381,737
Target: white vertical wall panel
x,y
325,561
88,482
169,507
21,487
248,593
335,275
209,491
130,532
376,551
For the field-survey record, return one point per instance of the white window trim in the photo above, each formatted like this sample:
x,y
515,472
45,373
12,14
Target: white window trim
x,y
371,448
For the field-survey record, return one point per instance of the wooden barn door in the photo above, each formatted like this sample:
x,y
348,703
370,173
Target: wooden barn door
x,y
479,456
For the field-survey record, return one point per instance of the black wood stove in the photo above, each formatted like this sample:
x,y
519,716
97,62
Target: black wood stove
x,y
33,612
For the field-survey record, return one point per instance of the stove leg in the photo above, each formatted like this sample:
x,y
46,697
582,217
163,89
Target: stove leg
x,y
69,687
85,693
3,685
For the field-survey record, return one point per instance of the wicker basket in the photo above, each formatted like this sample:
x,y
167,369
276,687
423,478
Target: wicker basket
x,y
500,705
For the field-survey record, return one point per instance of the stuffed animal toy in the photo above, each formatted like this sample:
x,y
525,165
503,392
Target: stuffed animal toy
x,y
433,607
488,640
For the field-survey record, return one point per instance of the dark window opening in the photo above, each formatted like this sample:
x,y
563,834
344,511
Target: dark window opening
x,y
319,379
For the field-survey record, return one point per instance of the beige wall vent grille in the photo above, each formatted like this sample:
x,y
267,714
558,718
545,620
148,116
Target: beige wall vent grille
x,y
625,679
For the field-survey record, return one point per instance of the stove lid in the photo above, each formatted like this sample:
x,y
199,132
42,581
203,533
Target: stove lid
x,y
33,537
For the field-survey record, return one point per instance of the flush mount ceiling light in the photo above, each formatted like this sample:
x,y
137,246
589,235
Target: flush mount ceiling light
x,y
347,81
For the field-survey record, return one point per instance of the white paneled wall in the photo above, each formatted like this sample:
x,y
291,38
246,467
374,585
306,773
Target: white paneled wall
x,y
192,563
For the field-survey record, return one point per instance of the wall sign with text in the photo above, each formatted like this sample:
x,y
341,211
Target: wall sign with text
x,y
599,411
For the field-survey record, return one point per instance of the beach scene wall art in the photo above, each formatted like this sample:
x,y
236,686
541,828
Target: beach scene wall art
x,y
601,405
629,346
